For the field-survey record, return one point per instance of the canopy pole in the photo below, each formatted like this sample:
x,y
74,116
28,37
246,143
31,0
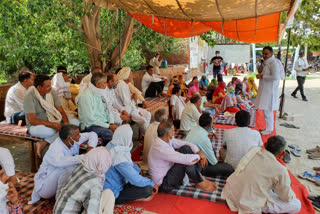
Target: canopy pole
x,y
120,37
284,81
254,58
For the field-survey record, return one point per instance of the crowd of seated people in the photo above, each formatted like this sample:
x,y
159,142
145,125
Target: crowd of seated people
x,y
106,175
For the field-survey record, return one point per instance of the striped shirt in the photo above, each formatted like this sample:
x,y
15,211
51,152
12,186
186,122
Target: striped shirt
x,y
82,189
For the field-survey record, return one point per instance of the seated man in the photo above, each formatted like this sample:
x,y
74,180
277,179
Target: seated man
x,y
82,192
124,178
61,85
199,135
151,132
85,82
238,141
177,103
262,184
152,86
7,164
168,167
129,101
191,113
93,112
44,112
14,99
118,111
60,160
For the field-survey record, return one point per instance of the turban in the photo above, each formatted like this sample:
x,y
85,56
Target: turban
x,y
124,73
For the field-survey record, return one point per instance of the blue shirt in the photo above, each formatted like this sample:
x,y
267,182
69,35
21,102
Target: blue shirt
x,y
199,137
119,175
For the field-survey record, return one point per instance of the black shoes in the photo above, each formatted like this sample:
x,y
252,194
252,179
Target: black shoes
x,y
295,96
315,201
304,99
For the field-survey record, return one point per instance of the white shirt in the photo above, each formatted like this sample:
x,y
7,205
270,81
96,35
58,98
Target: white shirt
x,y
178,105
112,101
238,141
190,117
147,79
14,100
84,85
60,156
124,97
162,156
6,162
150,135
155,64
300,64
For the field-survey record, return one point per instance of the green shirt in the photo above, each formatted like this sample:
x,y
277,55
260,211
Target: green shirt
x,y
93,111
199,137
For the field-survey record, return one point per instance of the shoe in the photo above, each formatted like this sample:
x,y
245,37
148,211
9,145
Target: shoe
x,y
304,99
316,205
286,157
265,132
294,146
314,198
314,156
294,95
315,149
296,153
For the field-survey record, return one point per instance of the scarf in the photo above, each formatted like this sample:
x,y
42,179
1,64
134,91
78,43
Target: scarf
x,y
268,63
238,89
213,82
247,158
121,145
48,104
97,161
124,73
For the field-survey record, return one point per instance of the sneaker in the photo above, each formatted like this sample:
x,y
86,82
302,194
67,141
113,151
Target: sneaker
x,y
315,149
286,157
314,156
294,95
305,99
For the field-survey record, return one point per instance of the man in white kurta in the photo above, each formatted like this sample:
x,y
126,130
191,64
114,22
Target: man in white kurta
x,y
268,91
60,160
301,67
151,132
152,85
141,116
260,183
84,84
156,63
191,113
14,99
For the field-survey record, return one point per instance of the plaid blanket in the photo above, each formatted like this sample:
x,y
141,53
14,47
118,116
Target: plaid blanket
x,y
221,119
46,206
192,192
216,143
155,102
21,131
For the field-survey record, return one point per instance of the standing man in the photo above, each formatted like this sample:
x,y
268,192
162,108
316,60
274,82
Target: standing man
x,y
301,67
152,85
268,92
156,63
216,61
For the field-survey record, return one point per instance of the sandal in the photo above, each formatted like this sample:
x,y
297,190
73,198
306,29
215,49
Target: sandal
x,y
315,149
297,153
294,146
315,156
308,176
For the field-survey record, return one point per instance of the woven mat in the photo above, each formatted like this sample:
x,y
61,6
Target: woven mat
x,y
216,143
155,102
46,206
221,119
193,192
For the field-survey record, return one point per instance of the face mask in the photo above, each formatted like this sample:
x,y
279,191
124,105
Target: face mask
x,y
70,144
114,87
210,130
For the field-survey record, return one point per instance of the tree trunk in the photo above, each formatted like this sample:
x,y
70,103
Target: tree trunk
x,y
90,32
125,41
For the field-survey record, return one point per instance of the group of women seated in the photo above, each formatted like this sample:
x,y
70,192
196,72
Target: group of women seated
x,y
233,97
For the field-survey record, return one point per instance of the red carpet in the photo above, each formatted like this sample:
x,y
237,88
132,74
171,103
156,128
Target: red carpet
x,y
167,204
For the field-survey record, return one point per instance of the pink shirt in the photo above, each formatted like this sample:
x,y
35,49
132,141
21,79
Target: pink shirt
x,y
192,90
162,156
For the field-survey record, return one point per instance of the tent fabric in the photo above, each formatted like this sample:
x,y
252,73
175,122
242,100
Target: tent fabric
x,y
253,30
203,10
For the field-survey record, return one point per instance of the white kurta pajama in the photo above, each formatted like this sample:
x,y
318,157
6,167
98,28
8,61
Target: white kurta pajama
x,y
141,116
58,163
113,105
178,103
268,91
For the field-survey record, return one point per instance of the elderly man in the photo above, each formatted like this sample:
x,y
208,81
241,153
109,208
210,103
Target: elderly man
x,y
156,63
14,99
268,92
60,160
301,67
44,112
199,135
85,82
151,132
191,113
169,167
118,111
238,141
93,112
262,187
152,85
129,101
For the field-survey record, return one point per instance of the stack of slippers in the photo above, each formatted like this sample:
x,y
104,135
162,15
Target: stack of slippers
x,y
314,153
294,149
315,201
